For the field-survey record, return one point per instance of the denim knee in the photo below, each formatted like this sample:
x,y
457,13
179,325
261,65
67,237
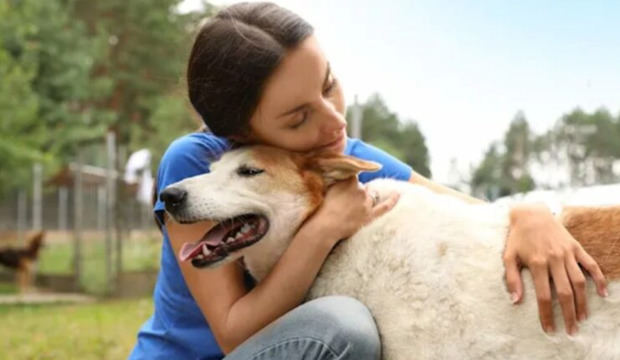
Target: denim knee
x,y
333,327
348,325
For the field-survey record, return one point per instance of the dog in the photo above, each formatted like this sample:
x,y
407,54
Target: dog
x,y
430,270
23,260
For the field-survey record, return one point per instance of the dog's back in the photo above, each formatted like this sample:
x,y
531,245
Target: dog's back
x,y
431,273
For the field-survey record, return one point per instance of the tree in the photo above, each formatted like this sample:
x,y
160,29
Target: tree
x,y
42,71
504,169
487,178
73,70
589,146
147,46
402,139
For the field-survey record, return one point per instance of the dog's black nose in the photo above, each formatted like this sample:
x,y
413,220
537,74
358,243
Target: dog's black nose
x,y
172,197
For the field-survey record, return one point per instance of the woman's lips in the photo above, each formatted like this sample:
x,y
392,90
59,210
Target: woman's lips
x,y
334,144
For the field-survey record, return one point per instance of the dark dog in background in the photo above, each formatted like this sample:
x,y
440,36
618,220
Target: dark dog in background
x,y
23,260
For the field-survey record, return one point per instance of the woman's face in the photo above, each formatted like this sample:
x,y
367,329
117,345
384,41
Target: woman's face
x,y
302,106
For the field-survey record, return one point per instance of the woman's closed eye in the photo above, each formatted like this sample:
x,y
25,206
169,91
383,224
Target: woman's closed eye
x,y
304,114
330,86
301,119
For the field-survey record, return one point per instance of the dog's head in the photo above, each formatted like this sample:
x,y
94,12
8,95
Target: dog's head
x,y
36,242
258,196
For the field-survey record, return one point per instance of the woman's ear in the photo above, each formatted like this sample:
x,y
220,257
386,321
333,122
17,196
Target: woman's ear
x,y
337,167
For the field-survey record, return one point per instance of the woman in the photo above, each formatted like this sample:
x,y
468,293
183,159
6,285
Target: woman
x,y
257,74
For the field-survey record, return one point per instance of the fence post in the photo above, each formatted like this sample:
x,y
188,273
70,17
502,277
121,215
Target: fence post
x,y
121,212
22,214
111,203
37,201
101,207
77,220
63,196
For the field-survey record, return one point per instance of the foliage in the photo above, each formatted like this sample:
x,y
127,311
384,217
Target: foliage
x,y
18,102
73,70
402,139
49,60
504,169
581,149
591,144
147,44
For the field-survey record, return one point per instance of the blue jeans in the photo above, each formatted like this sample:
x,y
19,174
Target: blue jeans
x,y
333,327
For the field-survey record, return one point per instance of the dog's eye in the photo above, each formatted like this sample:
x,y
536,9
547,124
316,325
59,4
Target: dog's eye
x,y
245,170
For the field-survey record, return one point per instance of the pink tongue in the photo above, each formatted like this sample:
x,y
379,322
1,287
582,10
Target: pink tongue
x,y
213,238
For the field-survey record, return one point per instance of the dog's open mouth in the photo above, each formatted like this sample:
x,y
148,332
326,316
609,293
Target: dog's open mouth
x,y
224,238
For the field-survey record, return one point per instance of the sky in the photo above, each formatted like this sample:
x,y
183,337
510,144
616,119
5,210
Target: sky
x,y
463,69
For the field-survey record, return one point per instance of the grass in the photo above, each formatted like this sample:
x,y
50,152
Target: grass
x,y
103,330
8,288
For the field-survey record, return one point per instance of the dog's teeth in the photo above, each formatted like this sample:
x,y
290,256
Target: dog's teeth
x,y
246,228
205,251
230,239
200,256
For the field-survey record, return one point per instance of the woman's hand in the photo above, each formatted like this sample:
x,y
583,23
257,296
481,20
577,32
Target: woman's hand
x,y
540,242
347,207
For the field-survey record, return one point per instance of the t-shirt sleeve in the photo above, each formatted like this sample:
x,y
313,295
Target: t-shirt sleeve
x,y
187,156
392,167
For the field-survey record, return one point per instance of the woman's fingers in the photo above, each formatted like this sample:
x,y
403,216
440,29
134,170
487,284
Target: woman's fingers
x,y
564,292
381,206
578,282
514,282
540,273
588,263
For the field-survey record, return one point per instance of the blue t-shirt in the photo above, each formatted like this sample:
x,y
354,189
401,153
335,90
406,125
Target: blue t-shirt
x,y
177,329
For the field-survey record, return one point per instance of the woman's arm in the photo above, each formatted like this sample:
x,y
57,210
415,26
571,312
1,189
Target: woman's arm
x,y
233,313
541,243
440,189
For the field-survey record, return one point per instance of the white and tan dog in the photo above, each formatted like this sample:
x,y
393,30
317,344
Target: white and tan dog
x,y
430,270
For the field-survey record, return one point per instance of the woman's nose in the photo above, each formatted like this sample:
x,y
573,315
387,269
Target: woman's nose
x,y
333,122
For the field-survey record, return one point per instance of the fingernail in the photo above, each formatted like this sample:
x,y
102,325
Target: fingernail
x,y
549,329
582,317
572,331
605,293
514,297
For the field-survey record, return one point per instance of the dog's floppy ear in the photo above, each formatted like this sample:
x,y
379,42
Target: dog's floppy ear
x,y
336,167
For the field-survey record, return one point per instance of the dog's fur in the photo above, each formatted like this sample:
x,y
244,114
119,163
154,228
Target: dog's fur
x,y
23,260
430,270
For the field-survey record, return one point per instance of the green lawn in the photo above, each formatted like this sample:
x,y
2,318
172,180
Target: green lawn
x,y
103,330
8,288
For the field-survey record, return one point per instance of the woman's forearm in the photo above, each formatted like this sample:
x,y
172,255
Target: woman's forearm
x,y
440,189
283,288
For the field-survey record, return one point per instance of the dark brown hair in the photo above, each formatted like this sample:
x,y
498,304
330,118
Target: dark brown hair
x,y
233,55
